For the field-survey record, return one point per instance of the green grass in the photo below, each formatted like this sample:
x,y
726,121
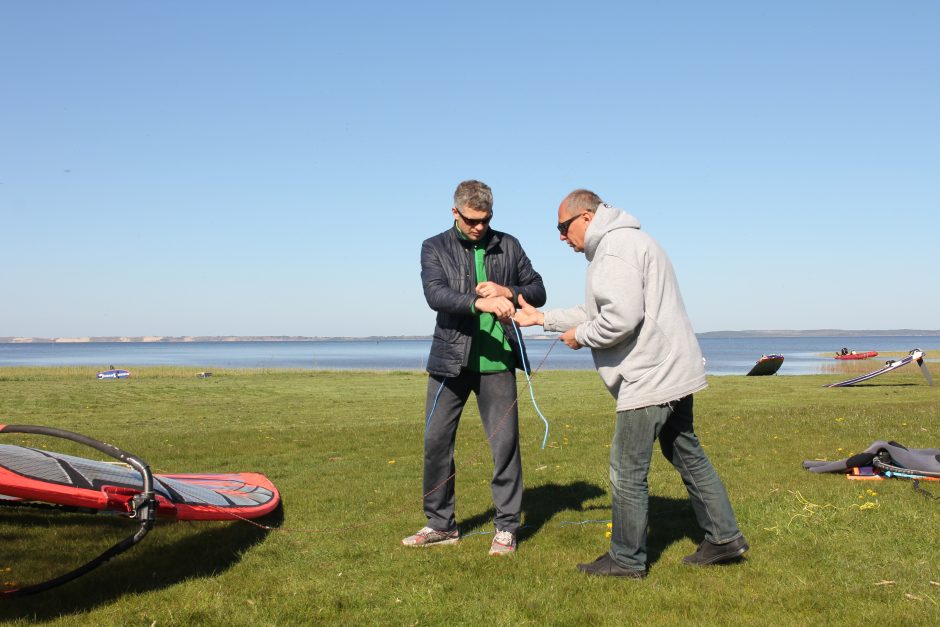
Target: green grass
x,y
344,448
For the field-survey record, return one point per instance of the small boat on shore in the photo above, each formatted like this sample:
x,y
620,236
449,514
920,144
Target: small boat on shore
x,y
847,354
766,365
114,373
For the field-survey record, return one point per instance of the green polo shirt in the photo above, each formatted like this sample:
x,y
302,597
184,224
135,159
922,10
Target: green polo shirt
x,y
489,350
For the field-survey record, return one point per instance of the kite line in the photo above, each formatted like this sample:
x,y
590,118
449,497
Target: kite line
x,y
525,369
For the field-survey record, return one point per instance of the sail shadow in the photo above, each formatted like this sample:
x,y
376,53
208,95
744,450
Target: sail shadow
x,y
185,551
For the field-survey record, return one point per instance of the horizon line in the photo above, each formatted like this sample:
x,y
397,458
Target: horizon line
x,y
320,338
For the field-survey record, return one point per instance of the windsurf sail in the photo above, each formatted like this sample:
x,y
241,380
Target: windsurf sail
x,y
916,355
128,489
39,475
140,505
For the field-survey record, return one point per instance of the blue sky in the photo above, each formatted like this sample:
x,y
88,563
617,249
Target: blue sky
x,y
244,168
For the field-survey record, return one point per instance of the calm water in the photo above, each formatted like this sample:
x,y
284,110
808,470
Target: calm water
x,y
723,356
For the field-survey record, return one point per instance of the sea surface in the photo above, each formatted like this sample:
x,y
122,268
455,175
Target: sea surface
x,y
723,356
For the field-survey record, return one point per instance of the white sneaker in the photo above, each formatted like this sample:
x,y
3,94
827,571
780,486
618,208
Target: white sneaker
x,y
504,543
432,537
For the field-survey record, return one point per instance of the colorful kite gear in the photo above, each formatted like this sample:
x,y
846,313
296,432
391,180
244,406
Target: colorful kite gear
x,y
29,475
889,458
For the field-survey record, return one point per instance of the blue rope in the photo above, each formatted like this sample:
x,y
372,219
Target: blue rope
x,y
525,369
583,522
427,423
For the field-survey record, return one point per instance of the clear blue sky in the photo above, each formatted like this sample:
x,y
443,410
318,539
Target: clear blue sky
x,y
245,168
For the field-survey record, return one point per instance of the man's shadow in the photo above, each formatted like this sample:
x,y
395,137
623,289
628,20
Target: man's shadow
x,y
541,503
671,519
144,567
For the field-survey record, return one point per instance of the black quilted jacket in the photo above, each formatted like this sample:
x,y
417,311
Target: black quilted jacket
x,y
448,274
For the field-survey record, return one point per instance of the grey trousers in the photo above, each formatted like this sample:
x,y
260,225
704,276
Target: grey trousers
x,y
496,399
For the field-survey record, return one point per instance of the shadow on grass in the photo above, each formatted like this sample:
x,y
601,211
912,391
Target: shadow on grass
x,y
145,567
541,503
671,520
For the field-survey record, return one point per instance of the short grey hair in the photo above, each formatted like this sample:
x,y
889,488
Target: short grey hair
x,y
474,194
581,200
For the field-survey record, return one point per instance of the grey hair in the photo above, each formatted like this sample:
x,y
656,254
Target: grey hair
x,y
474,194
581,200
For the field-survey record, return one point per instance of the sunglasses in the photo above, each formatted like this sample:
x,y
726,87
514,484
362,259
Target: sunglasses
x,y
563,226
472,222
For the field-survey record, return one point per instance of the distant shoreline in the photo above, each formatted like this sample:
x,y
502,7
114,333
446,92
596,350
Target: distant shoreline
x,y
821,333
167,339
302,338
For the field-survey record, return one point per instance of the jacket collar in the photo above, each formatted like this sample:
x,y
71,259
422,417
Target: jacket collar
x,y
490,241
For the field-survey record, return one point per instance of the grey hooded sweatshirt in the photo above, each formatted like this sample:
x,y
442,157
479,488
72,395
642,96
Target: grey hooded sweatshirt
x,y
633,318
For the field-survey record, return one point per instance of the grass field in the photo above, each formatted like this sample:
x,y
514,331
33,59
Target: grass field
x,y
344,448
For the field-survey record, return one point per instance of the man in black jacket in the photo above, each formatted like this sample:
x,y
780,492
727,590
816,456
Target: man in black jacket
x,y
472,277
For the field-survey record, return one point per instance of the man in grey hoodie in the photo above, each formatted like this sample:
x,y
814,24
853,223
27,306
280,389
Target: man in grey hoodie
x,y
635,323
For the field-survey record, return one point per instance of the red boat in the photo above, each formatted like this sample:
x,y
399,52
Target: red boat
x,y
847,354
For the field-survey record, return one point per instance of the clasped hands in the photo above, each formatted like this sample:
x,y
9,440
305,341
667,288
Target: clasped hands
x,y
497,300
527,316
494,299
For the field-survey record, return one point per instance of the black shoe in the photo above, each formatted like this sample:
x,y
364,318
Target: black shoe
x,y
605,566
709,553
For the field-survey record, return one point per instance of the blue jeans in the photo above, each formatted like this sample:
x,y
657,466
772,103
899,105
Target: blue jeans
x,y
630,454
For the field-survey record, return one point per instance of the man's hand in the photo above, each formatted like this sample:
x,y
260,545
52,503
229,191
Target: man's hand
x,y
488,289
499,306
568,338
527,315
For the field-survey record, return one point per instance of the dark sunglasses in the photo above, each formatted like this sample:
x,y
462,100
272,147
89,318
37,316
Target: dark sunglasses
x,y
471,222
563,226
